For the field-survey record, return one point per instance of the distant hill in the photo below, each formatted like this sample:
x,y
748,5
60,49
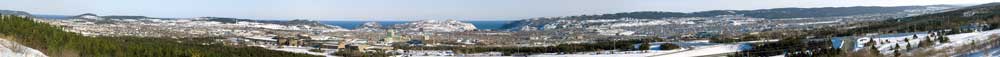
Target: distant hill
x,y
287,23
985,16
776,13
12,12
125,17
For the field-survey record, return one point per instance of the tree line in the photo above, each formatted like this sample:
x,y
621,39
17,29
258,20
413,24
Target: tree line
x,y
56,42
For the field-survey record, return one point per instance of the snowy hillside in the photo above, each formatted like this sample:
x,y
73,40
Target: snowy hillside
x,y
907,43
688,49
12,49
436,26
369,26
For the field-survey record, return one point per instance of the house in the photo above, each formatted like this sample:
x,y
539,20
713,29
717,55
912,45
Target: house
x,y
292,41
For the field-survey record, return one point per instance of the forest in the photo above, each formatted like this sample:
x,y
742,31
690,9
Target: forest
x,y
55,42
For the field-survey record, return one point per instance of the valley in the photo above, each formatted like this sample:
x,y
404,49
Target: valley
x,y
856,31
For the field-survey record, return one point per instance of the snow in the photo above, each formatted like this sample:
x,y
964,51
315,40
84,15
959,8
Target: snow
x,y
608,53
992,52
894,39
706,50
12,49
688,49
821,22
304,50
422,53
955,40
647,23
601,20
436,26
966,38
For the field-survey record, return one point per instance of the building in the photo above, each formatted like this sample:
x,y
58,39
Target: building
x,y
292,40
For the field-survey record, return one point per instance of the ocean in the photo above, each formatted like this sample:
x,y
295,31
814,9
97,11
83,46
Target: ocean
x,y
355,24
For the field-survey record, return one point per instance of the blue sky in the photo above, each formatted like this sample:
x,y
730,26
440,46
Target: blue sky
x,y
418,9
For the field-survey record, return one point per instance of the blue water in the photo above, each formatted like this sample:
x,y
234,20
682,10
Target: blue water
x,y
51,16
355,24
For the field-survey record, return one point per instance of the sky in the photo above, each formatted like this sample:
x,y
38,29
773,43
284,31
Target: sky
x,y
418,9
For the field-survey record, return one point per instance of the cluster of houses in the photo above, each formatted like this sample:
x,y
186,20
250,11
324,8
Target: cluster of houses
x,y
305,40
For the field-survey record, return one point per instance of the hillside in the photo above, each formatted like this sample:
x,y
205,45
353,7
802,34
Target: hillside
x,y
776,13
12,12
950,33
55,42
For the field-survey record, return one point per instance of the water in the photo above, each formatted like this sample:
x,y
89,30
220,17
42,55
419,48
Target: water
x,y
355,24
58,17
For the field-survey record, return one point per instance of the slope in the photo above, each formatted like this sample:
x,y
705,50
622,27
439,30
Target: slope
x,y
55,42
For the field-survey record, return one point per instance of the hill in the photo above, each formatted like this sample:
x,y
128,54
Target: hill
x,y
12,12
964,26
58,43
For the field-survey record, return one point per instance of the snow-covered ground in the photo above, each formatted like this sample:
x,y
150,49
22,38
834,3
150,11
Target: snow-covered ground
x,y
821,22
955,40
705,50
613,53
966,38
326,52
992,52
688,49
12,49
894,39
436,26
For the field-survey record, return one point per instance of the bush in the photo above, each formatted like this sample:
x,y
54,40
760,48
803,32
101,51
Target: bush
x,y
723,40
669,46
644,46
316,50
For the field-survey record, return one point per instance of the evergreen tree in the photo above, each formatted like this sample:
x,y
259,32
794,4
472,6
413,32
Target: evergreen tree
x,y
871,42
895,47
44,36
874,51
668,46
926,42
943,39
906,40
644,46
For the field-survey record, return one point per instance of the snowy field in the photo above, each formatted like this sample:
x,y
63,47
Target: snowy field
x,y
955,40
613,53
894,39
688,49
326,52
